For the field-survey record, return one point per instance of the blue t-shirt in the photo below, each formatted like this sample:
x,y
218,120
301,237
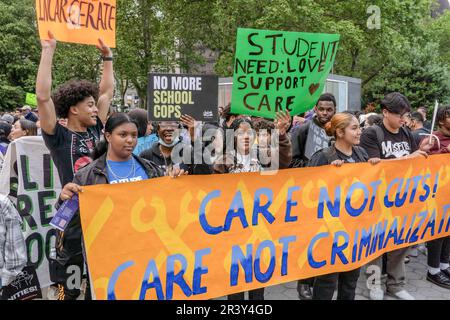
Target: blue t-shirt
x,y
145,143
125,171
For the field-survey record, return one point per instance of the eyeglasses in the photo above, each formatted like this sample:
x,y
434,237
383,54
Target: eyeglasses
x,y
168,125
404,116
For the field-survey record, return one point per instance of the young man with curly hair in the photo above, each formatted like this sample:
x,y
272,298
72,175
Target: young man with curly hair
x,y
86,108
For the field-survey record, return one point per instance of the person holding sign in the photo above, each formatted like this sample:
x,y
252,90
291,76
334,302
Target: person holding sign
x,y
171,149
344,127
86,106
310,137
307,139
439,250
391,140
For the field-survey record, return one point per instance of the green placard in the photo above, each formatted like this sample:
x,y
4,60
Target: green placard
x,y
280,70
30,99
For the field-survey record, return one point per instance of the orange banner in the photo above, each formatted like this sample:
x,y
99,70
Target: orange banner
x,y
201,237
78,21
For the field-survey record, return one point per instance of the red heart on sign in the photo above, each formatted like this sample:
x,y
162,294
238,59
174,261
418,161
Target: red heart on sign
x,y
313,88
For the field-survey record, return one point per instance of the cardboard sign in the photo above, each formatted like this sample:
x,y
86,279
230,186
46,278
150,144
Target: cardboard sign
x,y
78,21
280,70
172,95
202,237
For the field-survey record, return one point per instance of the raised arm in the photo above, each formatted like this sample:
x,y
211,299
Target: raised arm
x,y
106,88
46,108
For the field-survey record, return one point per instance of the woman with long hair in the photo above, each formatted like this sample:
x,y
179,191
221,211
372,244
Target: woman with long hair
x,y
345,129
23,128
113,162
243,158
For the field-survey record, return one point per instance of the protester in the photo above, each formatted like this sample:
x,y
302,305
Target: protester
x,y
22,128
114,162
372,120
13,251
170,150
306,140
416,125
146,137
244,158
311,137
86,107
423,111
438,255
5,131
8,118
344,127
28,114
391,140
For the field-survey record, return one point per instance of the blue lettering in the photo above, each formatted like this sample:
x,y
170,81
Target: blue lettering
x,y
264,210
236,211
237,256
313,263
348,206
290,204
203,222
263,277
156,283
337,249
285,253
115,277
324,197
199,270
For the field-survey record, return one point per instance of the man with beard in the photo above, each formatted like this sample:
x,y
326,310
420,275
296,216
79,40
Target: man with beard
x,y
307,139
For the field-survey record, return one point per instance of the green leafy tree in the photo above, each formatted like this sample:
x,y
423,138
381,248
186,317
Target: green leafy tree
x,y
19,49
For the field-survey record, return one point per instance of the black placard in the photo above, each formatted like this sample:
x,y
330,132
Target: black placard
x,y
172,95
25,286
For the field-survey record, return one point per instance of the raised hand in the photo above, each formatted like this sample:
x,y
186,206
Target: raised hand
x,y
189,122
425,144
103,48
282,122
50,43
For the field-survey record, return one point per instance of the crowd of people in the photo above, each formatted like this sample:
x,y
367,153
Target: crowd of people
x,y
89,145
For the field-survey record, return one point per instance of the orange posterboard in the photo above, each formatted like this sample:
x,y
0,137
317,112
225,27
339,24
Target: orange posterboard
x,y
78,21
201,237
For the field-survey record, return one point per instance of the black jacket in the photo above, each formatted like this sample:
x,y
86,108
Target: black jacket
x,y
68,243
298,140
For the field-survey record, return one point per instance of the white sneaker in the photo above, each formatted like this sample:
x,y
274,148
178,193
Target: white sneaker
x,y
376,294
402,295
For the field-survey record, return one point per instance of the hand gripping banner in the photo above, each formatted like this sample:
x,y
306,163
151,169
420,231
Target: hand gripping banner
x,y
201,237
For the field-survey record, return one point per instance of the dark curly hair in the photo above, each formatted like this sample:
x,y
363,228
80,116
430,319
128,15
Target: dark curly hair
x,y
71,93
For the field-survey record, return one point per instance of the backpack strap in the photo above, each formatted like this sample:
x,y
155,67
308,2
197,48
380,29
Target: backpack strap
x,y
379,132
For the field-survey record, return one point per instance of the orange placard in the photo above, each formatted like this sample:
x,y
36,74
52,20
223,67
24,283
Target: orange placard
x,y
78,21
201,237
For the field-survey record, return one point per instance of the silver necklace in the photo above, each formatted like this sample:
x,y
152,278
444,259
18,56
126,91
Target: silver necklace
x,y
82,138
133,170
